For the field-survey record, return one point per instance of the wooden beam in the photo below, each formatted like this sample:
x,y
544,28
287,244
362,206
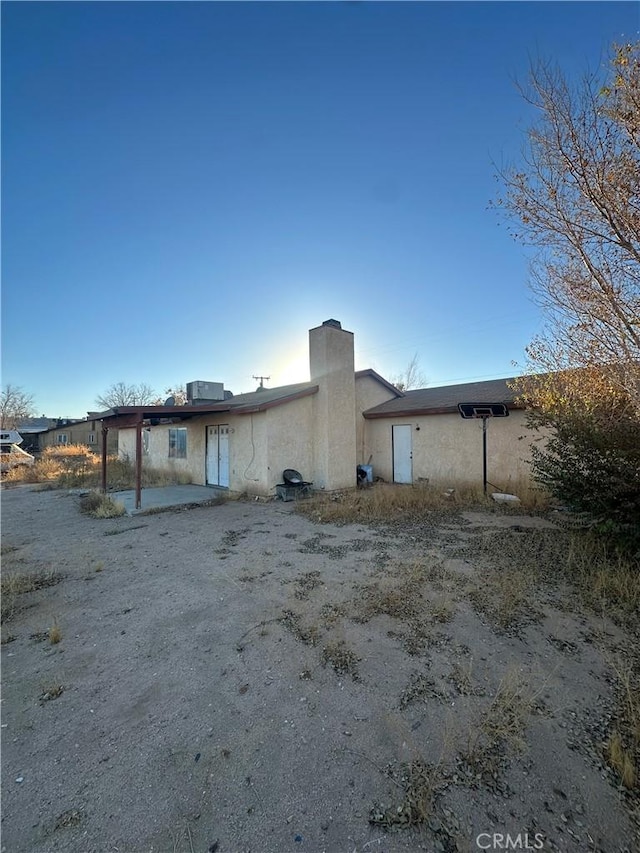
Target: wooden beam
x,y
139,464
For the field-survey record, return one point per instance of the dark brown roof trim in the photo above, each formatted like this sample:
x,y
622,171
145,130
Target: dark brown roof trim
x,y
128,416
440,410
271,404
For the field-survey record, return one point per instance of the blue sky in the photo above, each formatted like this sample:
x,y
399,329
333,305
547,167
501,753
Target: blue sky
x,y
189,187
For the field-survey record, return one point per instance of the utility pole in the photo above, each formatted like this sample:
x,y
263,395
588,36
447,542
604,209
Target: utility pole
x,y
262,378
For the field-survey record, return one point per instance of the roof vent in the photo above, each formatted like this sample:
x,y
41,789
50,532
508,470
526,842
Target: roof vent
x,y
335,323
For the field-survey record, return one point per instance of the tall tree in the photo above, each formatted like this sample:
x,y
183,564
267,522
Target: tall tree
x,y
577,200
121,394
16,405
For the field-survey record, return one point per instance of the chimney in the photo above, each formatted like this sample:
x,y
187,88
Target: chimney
x,y
331,367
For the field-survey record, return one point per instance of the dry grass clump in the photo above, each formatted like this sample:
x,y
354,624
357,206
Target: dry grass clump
x,y
342,659
516,560
608,580
101,506
309,635
620,757
55,634
15,584
502,725
74,466
505,597
418,783
622,751
406,592
402,602
385,503
52,691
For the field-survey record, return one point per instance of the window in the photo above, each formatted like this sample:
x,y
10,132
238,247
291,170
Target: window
x,y
178,443
146,441
91,438
62,438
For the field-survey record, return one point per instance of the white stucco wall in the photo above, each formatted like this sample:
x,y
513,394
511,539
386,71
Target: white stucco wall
x,y
448,449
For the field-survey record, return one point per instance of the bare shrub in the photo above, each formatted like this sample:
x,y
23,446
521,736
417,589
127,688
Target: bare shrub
x,y
101,506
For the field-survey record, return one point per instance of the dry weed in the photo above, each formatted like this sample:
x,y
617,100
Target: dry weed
x,y
342,659
101,506
622,751
15,584
52,691
608,581
399,602
419,783
505,597
74,466
621,758
310,635
502,725
55,634
385,503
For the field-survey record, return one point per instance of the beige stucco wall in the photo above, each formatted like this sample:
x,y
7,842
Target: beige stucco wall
x,y
247,470
369,393
261,446
331,363
448,449
158,444
290,442
79,433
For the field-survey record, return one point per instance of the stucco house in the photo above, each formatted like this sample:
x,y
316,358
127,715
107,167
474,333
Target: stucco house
x,y
87,431
326,427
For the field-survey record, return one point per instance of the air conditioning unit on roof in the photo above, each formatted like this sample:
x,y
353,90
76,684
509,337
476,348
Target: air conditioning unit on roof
x,y
204,392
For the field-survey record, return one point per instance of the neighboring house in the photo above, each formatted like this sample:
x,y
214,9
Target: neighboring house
x,y
87,431
327,426
31,431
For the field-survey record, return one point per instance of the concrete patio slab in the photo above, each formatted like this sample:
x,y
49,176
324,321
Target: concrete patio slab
x,y
166,497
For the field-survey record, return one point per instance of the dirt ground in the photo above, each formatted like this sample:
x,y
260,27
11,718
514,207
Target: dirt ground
x,y
240,678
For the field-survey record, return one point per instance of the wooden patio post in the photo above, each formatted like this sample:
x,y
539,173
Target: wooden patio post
x,y
139,464
105,433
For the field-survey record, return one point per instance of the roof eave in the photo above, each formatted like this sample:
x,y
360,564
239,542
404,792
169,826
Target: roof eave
x,y
439,410
271,404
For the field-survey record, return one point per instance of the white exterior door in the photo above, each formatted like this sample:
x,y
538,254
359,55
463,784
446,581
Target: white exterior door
x,y
402,454
223,455
218,455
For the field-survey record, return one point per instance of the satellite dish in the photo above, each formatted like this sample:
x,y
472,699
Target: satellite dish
x,y
170,401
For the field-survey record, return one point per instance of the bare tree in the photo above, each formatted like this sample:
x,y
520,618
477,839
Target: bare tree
x,y
411,377
15,406
121,394
577,199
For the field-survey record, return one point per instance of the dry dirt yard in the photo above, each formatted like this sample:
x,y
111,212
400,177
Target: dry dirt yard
x,y
241,677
